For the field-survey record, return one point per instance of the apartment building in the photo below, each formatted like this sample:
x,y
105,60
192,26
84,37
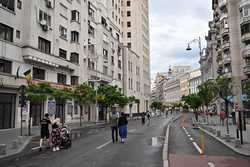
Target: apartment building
x,y
135,26
194,81
65,43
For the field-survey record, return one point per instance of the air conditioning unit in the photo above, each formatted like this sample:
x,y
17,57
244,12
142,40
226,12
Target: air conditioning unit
x,y
49,3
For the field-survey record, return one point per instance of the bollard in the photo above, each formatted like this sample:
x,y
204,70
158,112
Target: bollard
x,y
14,144
3,149
227,137
20,140
237,143
218,133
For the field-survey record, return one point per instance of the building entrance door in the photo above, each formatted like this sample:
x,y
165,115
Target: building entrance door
x,y
7,110
36,110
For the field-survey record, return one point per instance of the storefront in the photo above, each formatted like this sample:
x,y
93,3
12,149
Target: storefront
x,y
37,112
7,110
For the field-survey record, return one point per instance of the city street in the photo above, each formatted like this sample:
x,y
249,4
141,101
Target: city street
x,y
95,149
185,148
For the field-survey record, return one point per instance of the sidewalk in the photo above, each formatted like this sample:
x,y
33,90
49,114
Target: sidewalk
x,y
214,129
12,143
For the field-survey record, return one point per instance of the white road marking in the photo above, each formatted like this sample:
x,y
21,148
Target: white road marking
x,y
211,164
35,148
189,135
191,138
103,145
197,147
183,128
131,130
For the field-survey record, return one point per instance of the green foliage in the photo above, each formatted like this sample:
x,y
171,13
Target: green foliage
x,y
156,105
110,95
207,92
84,94
193,100
223,87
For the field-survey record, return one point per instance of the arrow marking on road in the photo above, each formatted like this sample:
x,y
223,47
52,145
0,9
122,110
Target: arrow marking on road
x,y
211,164
103,145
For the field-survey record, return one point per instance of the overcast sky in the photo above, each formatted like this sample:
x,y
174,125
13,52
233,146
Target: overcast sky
x,y
173,23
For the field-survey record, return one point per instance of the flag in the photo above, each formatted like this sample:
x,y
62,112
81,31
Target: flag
x,y
17,73
28,76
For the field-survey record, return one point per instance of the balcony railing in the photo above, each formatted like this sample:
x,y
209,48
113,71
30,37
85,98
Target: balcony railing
x,y
246,51
245,37
246,69
222,3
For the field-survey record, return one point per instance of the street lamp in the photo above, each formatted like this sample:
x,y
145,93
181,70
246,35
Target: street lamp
x,y
199,45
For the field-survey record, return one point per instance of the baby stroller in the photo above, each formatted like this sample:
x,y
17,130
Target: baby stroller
x,y
65,137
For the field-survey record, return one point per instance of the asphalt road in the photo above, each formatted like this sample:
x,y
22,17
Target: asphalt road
x,y
95,149
185,148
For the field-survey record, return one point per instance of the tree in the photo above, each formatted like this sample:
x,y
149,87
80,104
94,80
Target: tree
x,y
156,105
207,92
193,100
224,91
85,95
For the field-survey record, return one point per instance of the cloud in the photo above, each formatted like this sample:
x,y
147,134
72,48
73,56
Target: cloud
x,y
172,25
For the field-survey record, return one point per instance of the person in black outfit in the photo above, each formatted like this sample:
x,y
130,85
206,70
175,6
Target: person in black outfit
x,y
123,127
143,118
44,129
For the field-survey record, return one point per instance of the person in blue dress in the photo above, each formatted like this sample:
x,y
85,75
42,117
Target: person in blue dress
x,y
123,127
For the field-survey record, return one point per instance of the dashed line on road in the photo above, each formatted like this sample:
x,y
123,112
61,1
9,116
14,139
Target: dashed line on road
x,y
191,138
103,145
211,164
131,130
197,147
35,148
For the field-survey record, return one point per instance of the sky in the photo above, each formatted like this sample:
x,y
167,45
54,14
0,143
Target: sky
x,y
173,23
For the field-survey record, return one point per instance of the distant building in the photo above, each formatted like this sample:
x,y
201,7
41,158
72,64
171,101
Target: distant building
x,y
194,81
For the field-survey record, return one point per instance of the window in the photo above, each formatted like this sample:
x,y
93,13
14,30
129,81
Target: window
x,y
119,76
112,60
6,32
74,58
105,54
74,80
63,53
19,4
105,70
128,3
43,16
119,64
128,13
61,78
44,45
5,66
129,34
128,24
75,16
129,45
63,32
38,73
75,36
18,34
8,4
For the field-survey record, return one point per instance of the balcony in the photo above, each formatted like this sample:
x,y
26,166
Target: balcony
x,y
97,75
244,19
225,45
228,74
245,37
246,52
224,31
226,59
223,16
33,55
222,3
246,69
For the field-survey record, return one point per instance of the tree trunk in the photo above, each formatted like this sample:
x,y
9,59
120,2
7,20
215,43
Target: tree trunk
x,y
227,115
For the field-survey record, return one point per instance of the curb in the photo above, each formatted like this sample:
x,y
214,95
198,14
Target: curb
x,y
165,146
224,142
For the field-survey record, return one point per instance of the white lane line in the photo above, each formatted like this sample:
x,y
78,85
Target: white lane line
x,y
183,128
189,135
191,138
197,147
131,130
211,164
35,148
103,145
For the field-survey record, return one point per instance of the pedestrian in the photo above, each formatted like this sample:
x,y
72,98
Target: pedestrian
x,y
44,130
233,117
114,126
55,135
143,118
123,127
149,117
222,117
